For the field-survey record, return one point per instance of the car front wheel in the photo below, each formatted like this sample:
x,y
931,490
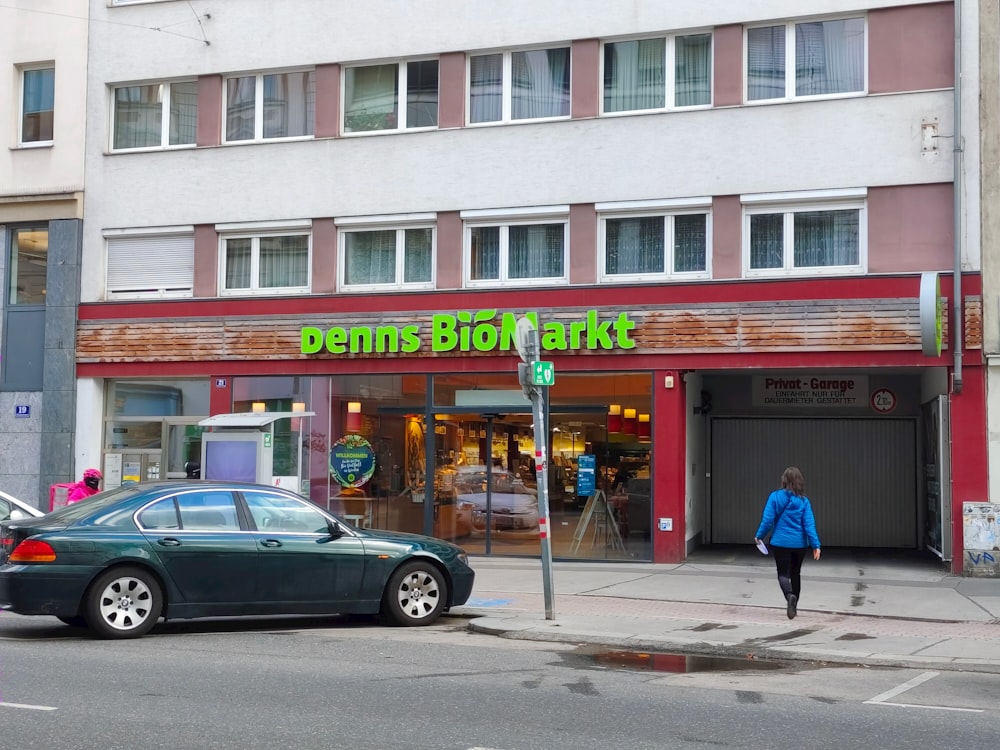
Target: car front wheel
x,y
415,595
123,603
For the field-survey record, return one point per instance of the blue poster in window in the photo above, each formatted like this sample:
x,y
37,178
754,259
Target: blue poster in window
x,y
586,475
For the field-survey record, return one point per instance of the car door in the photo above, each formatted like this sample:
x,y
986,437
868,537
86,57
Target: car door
x,y
198,538
302,568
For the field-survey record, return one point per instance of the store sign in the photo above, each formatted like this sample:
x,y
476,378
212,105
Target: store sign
x,y
810,390
931,313
586,475
482,331
352,461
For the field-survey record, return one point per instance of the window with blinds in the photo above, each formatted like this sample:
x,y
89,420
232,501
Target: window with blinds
x,y
145,266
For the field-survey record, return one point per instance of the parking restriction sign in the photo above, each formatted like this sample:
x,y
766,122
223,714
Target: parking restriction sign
x,y
883,400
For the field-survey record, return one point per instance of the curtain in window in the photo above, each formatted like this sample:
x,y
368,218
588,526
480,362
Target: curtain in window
x,y
540,83
138,116
183,112
767,241
766,63
241,96
827,238
289,104
829,57
693,70
417,252
634,245
690,243
422,94
238,258
371,98
634,75
284,261
485,253
37,105
370,257
486,88
535,251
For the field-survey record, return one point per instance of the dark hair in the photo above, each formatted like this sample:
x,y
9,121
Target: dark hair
x,y
792,481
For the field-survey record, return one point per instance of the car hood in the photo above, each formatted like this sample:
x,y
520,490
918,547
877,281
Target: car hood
x,y
417,541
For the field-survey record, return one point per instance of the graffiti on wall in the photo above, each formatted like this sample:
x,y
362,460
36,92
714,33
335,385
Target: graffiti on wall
x,y
981,538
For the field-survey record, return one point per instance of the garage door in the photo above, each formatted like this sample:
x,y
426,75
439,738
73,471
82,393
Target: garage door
x,y
860,477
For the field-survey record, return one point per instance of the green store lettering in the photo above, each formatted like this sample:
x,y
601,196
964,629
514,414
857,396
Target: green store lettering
x,y
467,332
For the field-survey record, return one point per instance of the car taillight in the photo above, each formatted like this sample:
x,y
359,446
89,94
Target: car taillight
x,y
32,550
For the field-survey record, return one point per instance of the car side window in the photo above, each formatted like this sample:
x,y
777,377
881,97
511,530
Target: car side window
x,y
280,513
160,515
4,510
208,511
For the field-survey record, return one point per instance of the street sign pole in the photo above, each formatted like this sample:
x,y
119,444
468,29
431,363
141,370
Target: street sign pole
x,y
529,373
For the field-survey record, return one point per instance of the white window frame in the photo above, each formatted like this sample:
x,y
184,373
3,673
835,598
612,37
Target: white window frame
x,y
670,71
790,94
258,101
504,220
402,71
789,204
668,209
399,224
21,70
254,232
165,95
164,291
506,104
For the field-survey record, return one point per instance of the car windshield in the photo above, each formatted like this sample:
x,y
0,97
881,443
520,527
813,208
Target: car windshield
x,y
76,511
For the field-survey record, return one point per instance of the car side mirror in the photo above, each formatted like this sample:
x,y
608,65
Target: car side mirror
x,y
335,529
17,515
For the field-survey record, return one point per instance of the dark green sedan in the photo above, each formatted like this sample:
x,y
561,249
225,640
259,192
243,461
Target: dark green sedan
x,y
119,561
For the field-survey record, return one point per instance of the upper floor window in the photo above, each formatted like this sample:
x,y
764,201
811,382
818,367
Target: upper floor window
x,y
814,58
530,84
641,240
150,263
155,115
527,247
270,105
379,256
264,259
372,99
28,265
818,232
666,72
38,89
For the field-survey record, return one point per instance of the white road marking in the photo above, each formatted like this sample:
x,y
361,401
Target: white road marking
x,y
25,705
883,698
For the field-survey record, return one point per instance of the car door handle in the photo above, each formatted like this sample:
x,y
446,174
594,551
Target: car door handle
x,y
270,543
169,541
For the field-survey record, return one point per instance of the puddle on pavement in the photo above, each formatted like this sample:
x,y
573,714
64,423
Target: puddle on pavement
x,y
680,663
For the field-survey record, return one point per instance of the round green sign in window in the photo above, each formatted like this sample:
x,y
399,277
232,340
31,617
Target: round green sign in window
x,y
352,461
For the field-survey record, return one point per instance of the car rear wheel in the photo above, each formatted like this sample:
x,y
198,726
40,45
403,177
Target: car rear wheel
x,y
415,595
123,603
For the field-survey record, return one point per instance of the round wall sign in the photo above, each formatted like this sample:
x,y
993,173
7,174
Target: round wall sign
x,y
352,461
883,400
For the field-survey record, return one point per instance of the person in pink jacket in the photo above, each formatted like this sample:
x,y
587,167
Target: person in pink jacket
x,y
90,485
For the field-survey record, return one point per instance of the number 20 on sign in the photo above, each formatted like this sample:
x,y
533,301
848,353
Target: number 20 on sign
x,y
542,373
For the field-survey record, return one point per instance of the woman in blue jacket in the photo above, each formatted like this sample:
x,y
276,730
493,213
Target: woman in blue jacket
x,y
788,517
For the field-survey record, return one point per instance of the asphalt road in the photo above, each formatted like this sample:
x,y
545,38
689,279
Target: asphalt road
x,y
328,683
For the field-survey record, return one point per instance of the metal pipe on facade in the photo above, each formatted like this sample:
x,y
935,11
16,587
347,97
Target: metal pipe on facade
x,y
955,327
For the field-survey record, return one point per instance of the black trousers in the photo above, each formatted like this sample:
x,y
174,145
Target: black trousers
x,y
788,561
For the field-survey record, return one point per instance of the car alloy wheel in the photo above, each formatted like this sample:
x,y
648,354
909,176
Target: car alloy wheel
x,y
416,594
124,603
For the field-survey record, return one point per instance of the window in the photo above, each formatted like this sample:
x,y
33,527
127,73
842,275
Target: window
x,y
816,58
270,105
28,264
386,257
141,264
639,243
208,511
279,513
636,73
826,234
261,263
526,248
531,84
38,87
155,115
372,100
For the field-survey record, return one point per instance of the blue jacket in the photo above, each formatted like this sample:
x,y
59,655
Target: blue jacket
x,y
796,526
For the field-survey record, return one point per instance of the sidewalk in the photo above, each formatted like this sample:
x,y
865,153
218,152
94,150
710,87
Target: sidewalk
x,y
896,611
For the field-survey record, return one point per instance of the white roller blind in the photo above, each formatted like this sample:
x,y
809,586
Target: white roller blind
x,y
151,266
